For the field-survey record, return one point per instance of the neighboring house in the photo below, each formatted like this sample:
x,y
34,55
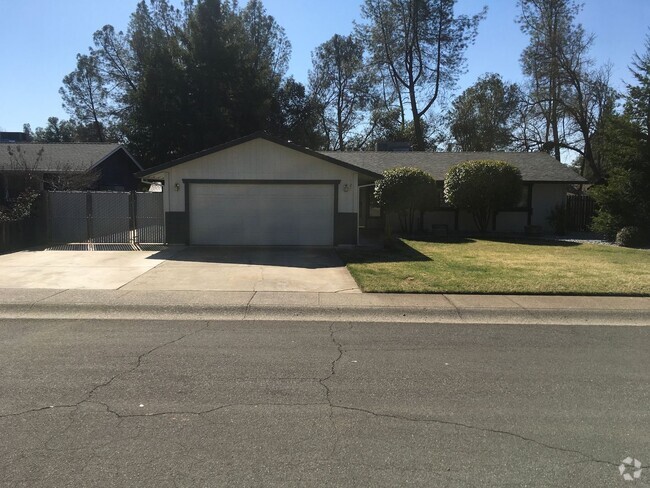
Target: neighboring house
x,y
259,190
14,137
49,166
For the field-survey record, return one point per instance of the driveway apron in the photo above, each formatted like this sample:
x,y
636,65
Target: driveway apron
x,y
249,269
192,268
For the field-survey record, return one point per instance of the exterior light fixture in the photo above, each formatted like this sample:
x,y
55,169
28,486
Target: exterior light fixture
x,y
346,187
177,186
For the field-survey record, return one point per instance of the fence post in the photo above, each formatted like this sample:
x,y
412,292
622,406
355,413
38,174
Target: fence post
x,y
48,220
133,217
89,216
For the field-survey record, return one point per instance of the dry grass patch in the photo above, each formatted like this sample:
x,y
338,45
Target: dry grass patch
x,y
491,266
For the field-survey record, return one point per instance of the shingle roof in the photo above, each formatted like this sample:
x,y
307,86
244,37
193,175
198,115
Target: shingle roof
x,y
56,157
243,140
534,167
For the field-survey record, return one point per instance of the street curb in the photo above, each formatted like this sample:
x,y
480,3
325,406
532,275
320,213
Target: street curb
x,y
458,315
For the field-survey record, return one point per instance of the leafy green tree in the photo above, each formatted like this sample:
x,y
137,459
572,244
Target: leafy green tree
x,y
638,98
420,45
406,191
156,120
270,49
29,134
85,96
388,127
114,56
181,80
624,199
55,131
295,116
617,205
483,117
484,188
342,87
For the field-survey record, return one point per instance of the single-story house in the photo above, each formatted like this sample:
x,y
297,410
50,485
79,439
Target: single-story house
x,y
101,166
259,190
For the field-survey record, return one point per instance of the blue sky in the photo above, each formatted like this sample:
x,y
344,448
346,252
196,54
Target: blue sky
x,y
40,39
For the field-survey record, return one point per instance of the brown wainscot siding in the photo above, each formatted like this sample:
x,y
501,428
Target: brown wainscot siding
x,y
177,228
345,228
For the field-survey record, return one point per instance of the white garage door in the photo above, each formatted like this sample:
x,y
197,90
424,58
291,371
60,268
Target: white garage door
x,y
262,214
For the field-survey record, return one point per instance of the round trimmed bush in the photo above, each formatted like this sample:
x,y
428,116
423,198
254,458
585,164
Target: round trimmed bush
x,y
483,187
406,191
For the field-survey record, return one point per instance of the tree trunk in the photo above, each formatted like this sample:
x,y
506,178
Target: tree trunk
x,y
417,123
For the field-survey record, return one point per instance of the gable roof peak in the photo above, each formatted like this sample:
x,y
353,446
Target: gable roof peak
x,y
251,137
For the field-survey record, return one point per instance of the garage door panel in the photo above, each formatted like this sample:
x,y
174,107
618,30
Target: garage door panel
x,y
268,214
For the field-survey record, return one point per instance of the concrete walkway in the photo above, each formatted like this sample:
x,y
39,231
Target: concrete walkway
x,y
211,305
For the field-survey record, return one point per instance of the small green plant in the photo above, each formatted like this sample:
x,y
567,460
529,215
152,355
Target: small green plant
x,y
557,219
21,207
630,236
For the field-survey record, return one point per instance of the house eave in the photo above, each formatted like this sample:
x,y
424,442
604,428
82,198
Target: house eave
x,y
251,137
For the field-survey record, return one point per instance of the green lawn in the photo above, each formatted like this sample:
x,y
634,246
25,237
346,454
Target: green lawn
x,y
491,266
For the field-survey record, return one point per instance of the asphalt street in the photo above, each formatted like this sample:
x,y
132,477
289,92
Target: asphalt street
x,y
243,403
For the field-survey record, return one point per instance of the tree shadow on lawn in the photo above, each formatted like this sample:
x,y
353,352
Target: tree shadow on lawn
x,y
473,238
397,251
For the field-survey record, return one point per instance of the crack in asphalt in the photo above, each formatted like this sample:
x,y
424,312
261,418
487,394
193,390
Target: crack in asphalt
x,y
328,392
202,412
39,409
88,396
474,427
334,406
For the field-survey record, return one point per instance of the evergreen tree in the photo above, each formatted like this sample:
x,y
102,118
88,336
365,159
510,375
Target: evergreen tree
x,y
624,200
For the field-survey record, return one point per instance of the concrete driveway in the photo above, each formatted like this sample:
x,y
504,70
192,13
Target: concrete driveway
x,y
180,268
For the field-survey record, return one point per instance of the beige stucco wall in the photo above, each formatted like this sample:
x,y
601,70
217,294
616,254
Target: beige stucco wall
x,y
259,159
545,197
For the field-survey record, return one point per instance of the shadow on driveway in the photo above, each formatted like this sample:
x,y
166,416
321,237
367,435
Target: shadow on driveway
x,y
290,257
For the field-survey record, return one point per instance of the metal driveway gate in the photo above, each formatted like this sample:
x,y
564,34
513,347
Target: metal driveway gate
x,y
105,217
109,217
148,218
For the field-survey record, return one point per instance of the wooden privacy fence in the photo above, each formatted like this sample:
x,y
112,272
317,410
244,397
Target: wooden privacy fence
x,y
104,217
580,210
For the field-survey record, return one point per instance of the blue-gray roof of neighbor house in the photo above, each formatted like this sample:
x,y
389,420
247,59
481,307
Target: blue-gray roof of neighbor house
x,y
57,157
535,167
